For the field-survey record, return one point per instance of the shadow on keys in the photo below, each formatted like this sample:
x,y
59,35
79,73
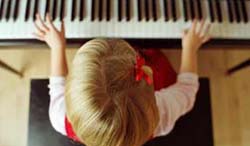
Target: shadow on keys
x,y
193,129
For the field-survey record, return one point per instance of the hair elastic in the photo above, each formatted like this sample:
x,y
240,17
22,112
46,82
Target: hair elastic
x,y
139,72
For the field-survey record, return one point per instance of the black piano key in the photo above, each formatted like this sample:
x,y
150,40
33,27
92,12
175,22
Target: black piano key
x,y
173,7
139,3
54,12
199,9
230,11
93,10
154,10
27,12
119,10
165,3
1,9
35,9
218,9
47,8
146,10
62,8
100,10
185,10
174,10
244,10
16,9
128,6
108,10
211,11
237,11
8,10
73,10
192,9
82,4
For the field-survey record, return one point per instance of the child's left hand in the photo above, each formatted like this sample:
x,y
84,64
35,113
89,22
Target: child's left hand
x,y
49,33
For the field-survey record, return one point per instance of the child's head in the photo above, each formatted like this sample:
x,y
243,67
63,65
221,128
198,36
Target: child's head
x,y
105,105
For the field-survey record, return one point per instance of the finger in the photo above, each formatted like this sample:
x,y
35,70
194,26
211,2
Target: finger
x,y
200,28
194,25
206,39
41,33
184,32
41,24
63,28
50,23
206,30
38,36
38,28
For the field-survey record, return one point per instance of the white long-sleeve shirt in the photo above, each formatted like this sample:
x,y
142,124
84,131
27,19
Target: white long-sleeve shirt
x,y
172,102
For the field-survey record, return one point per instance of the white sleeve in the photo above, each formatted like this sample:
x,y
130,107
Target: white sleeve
x,y
57,110
175,101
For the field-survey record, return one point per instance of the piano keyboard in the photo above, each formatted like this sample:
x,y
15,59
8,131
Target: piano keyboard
x,y
126,18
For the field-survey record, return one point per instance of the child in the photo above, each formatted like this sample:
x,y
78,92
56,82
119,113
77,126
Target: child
x,y
109,97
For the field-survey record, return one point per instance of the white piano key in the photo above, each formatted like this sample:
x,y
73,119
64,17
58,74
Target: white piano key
x,y
206,10
32,10
112,21
16,26
134,17
180,6
68,23
66,12
29,26
87,11
160,12
12,9
42,7
248,9
77,7
85,24
58,4
102,24
5,27
115,18
95,27
179,9
4,9
225,16
21,11
1,14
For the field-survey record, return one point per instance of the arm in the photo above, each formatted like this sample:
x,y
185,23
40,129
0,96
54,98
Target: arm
x,y
57,108
192,40
56,41
178,99
175,101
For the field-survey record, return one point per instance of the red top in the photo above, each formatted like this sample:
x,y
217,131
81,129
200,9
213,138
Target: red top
x,y
163,75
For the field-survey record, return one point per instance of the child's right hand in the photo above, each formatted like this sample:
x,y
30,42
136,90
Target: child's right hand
x,y
197,35
49,33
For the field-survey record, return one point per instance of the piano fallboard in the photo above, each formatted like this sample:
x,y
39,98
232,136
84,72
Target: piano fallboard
x,y
142,43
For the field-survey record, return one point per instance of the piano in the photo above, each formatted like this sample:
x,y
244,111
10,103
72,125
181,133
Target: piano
x,y
154,20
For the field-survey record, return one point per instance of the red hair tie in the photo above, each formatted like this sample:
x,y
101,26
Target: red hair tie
x,y
139,72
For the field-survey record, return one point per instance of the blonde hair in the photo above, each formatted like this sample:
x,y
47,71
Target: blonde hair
x,y
104,103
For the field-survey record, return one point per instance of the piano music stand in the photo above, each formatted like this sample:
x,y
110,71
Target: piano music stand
x,y
10,69
239,67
